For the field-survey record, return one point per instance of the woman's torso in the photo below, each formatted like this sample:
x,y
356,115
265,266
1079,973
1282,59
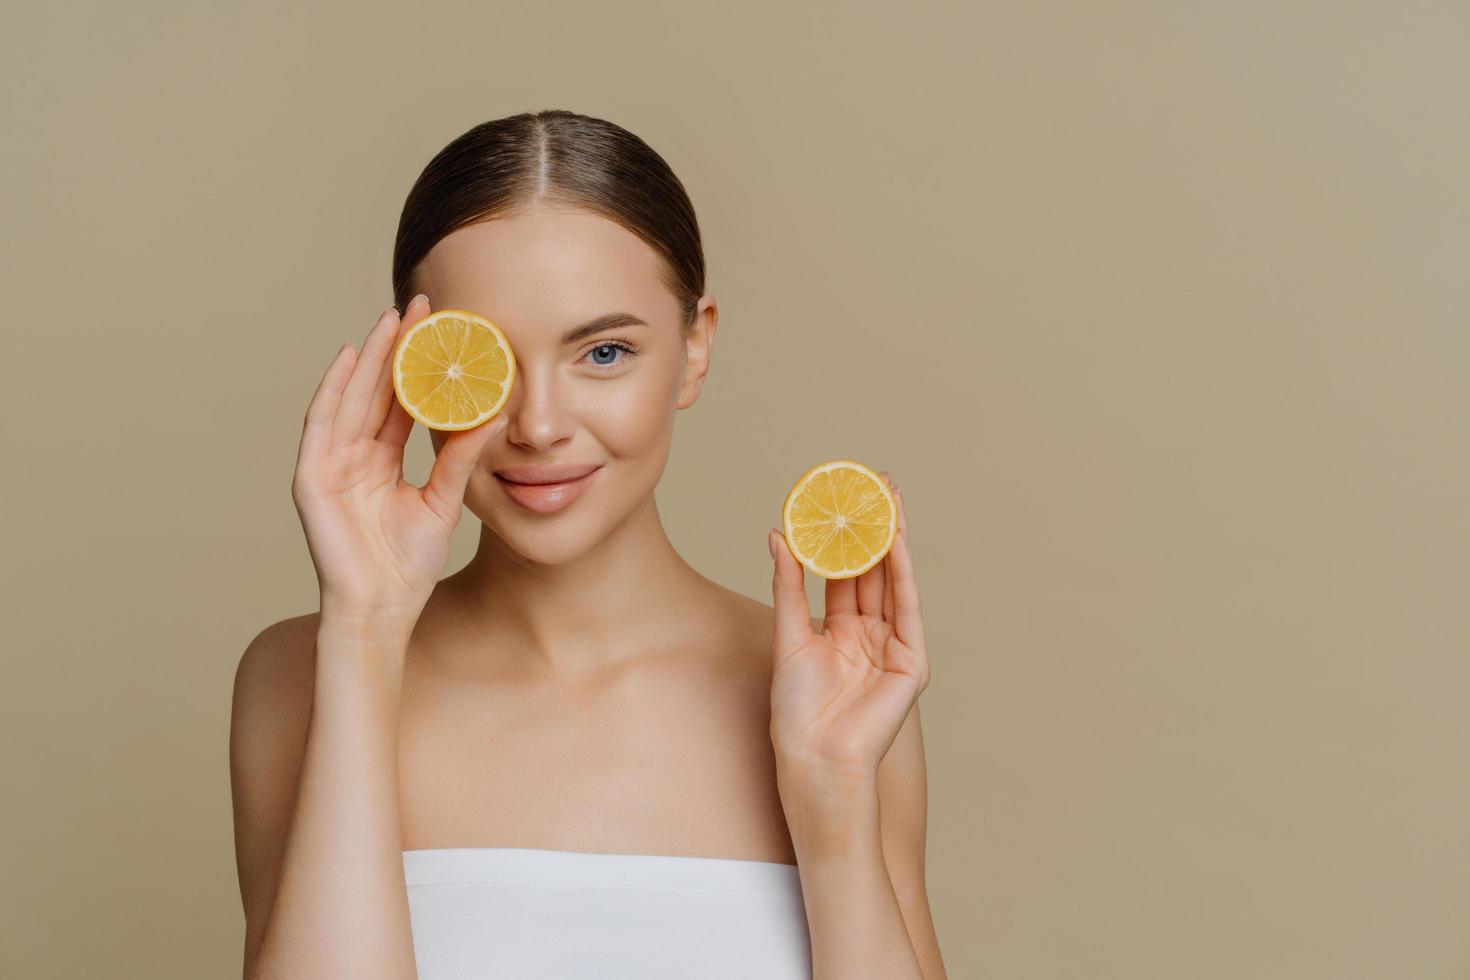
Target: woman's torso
x,y
631,816
670,754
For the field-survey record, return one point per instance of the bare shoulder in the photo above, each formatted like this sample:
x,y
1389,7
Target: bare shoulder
x,y
269,714
274,680
283,652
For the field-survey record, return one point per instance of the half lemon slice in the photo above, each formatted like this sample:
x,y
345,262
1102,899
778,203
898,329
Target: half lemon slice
x,y
840,519
453,370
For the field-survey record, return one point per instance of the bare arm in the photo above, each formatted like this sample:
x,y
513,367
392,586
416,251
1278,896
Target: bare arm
x,y
324,894
314,734
853,914
903,812
903,794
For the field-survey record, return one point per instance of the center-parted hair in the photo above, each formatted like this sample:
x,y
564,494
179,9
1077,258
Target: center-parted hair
x,y
560,158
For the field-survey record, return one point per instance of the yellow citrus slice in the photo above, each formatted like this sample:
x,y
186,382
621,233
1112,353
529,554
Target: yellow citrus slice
x,y
453,370
840,519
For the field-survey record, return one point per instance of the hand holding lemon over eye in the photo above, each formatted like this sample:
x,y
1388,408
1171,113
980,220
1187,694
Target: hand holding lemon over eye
x,y
379,543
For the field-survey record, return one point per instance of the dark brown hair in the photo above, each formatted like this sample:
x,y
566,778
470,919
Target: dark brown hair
x,y
560,158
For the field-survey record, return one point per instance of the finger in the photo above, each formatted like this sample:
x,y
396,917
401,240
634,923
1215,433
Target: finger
x,y
903,517
348,425
444,491
382,396
872,585
396,426
889,609
908,621
788,592
399,424
888,587
841,595
316,430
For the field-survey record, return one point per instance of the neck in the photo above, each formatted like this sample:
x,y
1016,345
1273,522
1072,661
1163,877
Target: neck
x,y
574,618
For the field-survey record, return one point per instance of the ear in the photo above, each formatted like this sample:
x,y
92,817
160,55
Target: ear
x,y
699,338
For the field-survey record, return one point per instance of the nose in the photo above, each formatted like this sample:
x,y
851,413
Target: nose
x,y
538,417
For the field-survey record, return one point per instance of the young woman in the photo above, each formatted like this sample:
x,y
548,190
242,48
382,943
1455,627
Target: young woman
x,y
576,756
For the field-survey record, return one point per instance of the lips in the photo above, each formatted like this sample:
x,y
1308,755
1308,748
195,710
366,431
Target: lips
x,y
547,474
545,498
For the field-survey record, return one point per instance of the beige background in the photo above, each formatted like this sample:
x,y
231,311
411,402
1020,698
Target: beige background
x,y
1157,312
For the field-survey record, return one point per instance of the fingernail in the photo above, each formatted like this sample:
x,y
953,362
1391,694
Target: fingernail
x,y
771,542
423,296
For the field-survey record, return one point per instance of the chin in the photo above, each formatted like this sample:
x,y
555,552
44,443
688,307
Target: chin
x,y
555,539
550,548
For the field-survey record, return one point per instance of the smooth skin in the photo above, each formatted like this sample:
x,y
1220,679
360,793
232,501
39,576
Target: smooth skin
x,y
577,685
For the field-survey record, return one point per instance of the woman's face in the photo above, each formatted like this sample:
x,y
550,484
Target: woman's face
x,y
606,399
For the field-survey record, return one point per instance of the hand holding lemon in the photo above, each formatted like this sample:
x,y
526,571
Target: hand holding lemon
x,y
839,696
379,543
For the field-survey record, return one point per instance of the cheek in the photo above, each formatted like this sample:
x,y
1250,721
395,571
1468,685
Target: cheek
x,y
630,419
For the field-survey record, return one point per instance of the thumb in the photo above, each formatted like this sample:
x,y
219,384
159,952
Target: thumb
x,y
444,492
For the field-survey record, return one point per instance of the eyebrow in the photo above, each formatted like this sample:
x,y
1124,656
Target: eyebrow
x,y
605,322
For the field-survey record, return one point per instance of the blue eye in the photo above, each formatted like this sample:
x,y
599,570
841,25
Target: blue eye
x,y
611,345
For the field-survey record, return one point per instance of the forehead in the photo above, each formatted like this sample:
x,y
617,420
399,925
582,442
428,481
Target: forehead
x,y
537,273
